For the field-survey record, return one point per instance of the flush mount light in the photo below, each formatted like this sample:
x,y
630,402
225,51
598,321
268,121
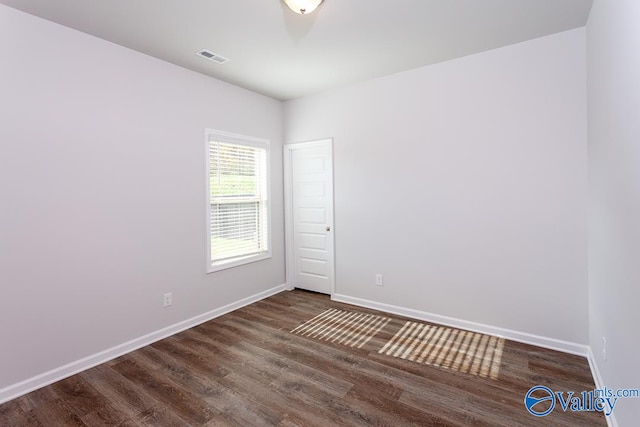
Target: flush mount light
x,y
303,7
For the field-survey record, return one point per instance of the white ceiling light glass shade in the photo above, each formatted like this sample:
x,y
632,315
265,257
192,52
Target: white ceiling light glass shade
x,y
303,6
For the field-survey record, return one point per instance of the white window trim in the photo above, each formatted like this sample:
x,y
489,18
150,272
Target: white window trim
x,y
234,138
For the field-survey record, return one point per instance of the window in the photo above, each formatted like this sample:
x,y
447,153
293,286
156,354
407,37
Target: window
x,y
238,200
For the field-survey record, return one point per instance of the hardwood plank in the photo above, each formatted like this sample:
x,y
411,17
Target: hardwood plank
x,y
160,415
195,361
55,413
181,401
83,399
130,398
12,414
37,398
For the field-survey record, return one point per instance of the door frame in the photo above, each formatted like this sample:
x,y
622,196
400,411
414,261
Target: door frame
x,y
288,210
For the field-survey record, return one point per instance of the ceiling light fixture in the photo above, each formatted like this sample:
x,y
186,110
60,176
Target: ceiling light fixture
x,y
303,7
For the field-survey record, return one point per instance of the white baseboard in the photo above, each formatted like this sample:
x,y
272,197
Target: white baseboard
x,y
523,337
597,378
49,377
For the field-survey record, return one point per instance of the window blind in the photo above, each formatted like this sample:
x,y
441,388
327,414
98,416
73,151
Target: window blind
x,y
238,201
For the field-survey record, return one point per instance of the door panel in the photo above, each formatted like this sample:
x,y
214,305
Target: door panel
x,y
311,207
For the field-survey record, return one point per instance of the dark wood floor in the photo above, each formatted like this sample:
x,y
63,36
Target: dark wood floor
x,y
247,369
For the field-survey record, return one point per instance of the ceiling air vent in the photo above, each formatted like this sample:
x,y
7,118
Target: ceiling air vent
x,y
207,54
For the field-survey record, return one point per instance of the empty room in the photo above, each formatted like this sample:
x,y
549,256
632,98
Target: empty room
x,y
319,212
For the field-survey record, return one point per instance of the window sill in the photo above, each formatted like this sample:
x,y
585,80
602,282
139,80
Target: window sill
x,y
213,267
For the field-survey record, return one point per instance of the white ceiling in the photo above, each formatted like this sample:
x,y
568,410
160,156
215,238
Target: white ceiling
x,y
284,55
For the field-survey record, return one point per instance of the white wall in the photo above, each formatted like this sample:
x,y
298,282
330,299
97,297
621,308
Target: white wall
x,y
465,184
613,40
102,193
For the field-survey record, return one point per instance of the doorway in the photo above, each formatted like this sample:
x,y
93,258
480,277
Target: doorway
x,y
308,175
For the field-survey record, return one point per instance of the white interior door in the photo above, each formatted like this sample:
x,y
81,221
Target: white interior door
x,y
309,201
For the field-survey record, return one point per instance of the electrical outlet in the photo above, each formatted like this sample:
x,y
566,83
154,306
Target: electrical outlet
x,y
168,299
604,348
379,281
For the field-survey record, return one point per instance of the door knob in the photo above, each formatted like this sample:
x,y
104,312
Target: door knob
x,y
328,228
